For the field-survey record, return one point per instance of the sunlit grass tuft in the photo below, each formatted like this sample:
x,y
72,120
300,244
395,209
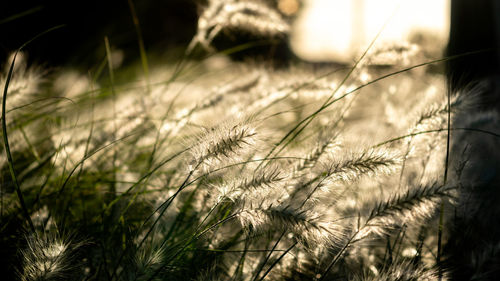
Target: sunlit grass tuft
x,y
231,173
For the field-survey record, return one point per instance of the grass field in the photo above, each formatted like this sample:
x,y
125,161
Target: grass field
x,y
210,169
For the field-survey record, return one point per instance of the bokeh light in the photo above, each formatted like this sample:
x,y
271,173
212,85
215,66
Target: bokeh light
x,y
337,30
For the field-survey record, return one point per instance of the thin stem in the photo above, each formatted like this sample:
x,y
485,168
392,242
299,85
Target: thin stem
x,y
441,211
277,261
140,40
113,94
7,148
268,256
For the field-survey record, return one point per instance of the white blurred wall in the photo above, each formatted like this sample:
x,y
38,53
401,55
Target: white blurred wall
x,y
338,30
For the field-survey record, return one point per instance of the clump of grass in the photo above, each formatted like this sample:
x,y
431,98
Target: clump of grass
x,y
48,257
177,185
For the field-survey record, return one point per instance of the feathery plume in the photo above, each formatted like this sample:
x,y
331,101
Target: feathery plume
x,y
222,143
394,54
147,260
251,16
413,205
242,189
307,226
368,162
48,257
402,270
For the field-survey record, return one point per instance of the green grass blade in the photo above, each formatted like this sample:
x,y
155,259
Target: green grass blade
x,y
140,40
10,161
21,14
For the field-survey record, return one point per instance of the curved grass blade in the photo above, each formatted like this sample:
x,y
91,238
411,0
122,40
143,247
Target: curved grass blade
x,y
10,161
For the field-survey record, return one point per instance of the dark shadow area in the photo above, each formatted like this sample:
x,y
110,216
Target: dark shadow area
x,y
472,251
475,27
164,25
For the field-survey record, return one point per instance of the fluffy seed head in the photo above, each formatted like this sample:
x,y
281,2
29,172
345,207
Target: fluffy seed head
x,y
221,144
356,165
47,258
251,16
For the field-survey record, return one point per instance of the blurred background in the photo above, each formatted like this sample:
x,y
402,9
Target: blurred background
x,y
322,30
164,25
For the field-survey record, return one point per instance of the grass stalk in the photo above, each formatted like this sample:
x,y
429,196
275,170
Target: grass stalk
x,y
10,161
21,14
140,41
4,128
278,260
445,177
113,94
